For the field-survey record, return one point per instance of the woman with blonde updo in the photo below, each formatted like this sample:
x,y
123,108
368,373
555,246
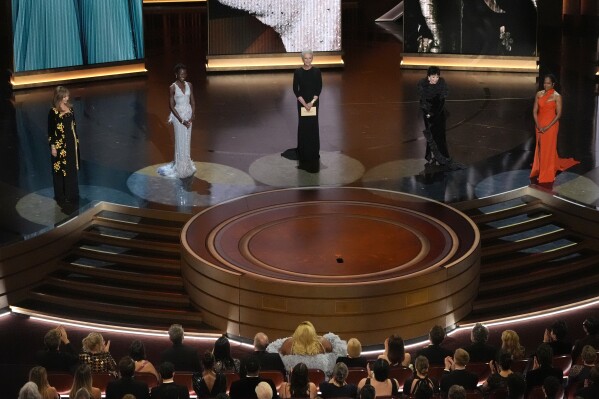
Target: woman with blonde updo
x,y
305,341
39,375
96,354
510,343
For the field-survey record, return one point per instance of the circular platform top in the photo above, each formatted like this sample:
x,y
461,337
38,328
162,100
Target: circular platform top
x,y
330,235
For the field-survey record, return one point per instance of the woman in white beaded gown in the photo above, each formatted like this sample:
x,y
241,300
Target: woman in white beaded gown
x,y
182,105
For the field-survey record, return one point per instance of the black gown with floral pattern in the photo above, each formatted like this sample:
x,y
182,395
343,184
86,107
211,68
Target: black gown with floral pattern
x,y
63,136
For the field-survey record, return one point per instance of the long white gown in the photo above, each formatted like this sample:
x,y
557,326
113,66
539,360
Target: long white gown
x,y
182,166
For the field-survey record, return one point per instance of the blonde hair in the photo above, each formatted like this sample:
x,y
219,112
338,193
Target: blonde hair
x,y
94,342
305,340
59,94
354,347
82,379
461,357
510,343
39,375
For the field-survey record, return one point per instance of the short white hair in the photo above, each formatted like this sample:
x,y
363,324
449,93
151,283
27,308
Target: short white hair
x,y
306,52
263,390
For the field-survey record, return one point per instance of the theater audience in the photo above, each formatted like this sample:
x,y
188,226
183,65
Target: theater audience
x,y
414,384
510,343
455,372
268,361
337,387
40,377
354,356
263,390
59,354
245,388
434,352
500,371
542,368
96,354
29,391
168,389
516,386
578,373
555,337
210,383
137,352
126,384
591,329
456,392
480,351
83,379
305,341
224,362
183,357
367,392
395,352
299,385
552,387
378,377
592,390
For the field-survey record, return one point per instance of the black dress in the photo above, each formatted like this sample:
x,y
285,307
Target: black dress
x,y
201,389
307,83
432,103
63,136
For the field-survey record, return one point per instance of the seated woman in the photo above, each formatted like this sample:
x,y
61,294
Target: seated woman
x,y
96,354
223,361
299,385
413,385
379,379
337,387
499,374
137,352
210,383
395,352
510,343
305,341
354,352
39,375
83,379
305,346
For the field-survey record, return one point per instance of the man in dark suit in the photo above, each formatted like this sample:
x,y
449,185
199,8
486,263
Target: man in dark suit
x,y
245,388
480,351
542,368
168,389
184,358
126,384
268,361
435,353
455,372
53,358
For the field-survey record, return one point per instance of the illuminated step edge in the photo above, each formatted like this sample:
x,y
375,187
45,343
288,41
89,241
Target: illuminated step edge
x,y
49,78
469,62
269,61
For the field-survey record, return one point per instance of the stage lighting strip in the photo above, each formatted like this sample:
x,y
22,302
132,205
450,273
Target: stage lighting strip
x,y
213,337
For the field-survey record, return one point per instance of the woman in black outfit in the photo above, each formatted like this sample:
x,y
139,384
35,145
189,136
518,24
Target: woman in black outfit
x,y
307,85
433,91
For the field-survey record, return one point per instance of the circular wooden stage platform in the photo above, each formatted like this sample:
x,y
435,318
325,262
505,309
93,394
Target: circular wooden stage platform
x,y
359,262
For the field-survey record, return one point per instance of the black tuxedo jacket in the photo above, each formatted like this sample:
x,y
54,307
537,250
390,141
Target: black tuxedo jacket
x,y
268,361
245,388
183,357
119,388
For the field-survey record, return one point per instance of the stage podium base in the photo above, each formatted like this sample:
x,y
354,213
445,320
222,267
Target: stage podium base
x,y
458,62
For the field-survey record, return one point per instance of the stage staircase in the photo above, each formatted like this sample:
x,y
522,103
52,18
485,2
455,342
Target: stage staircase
x,y
124,270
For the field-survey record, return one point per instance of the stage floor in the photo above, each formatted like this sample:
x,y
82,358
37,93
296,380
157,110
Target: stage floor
x,y
370,131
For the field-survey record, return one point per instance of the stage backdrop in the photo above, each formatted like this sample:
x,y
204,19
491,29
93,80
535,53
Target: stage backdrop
x,y
273,26
49,34
474,27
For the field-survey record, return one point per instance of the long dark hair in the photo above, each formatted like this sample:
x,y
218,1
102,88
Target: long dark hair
x,y
299,383
222,352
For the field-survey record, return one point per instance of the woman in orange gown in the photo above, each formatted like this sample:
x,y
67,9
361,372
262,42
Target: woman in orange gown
x,y
546,113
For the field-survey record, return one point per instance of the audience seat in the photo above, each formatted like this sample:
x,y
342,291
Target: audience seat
x,y
275,375
185,380
231,377
101,380
316,376
435,373
519,366
498,394
563,362
474,394
401,374
148,378
61,381
482,370
536,393
355,375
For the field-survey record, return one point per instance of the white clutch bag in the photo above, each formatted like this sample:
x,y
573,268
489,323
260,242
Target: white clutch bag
x,y
305,112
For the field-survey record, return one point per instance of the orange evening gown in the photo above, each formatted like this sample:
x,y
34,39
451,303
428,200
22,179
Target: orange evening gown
x,y
546,161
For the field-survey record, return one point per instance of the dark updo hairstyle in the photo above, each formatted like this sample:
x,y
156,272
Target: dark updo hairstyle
x,y
137,350
395,349
552,78
179,67
433,70
380,370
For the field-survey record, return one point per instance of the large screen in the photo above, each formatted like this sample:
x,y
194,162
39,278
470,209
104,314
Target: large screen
x,y
273,26
50,34
476,27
